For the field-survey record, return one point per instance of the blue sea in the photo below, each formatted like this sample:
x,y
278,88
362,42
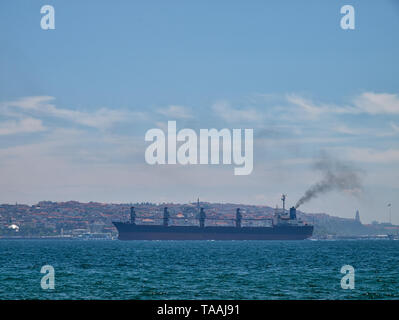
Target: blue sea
x,y
199,269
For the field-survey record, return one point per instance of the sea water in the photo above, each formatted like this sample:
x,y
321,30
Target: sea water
x,y
199,269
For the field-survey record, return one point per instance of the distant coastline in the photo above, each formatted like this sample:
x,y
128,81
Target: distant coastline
x,y
93,220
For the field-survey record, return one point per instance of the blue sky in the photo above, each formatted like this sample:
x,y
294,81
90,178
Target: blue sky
x,y
76,101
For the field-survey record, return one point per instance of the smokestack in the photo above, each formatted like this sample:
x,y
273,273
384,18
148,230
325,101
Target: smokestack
x,y
292,213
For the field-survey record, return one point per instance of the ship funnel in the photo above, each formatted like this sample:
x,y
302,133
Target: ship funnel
x,y
293,213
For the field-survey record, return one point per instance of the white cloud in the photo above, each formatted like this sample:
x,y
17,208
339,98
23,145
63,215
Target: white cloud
x,y
26,125
230,114
76,147
395,127
377,103
42,105
370,155
176,112
375,132
368,102
315,110
346,130
306,105
33,103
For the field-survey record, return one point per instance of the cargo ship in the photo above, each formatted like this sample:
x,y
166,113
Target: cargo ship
x,y
284,226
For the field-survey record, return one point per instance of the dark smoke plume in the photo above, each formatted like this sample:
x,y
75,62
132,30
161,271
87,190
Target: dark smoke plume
x,y
337,176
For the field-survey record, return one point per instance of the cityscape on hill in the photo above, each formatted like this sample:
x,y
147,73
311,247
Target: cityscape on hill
x,y
93,220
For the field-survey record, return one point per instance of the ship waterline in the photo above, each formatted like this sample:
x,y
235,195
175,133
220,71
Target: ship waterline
x,y
128,231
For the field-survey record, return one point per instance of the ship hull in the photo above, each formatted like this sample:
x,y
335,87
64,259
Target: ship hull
x,y
128,231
